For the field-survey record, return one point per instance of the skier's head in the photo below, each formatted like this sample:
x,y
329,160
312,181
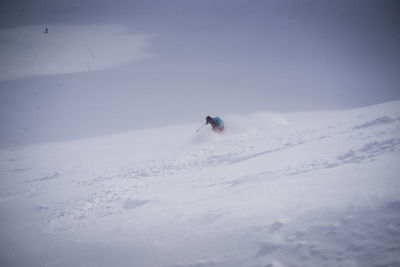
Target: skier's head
x,y
208,119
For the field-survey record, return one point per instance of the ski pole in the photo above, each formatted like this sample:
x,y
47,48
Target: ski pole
x,y
201,127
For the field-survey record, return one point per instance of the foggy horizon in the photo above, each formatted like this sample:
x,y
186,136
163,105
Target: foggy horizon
x,y
112,67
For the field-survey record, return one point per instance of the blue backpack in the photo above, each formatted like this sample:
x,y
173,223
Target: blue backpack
x,y
219,122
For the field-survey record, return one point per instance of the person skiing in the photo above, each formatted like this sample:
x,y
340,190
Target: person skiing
x,y
216,123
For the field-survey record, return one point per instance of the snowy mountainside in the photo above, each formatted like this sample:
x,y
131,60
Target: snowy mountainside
x,y
28,51
300,189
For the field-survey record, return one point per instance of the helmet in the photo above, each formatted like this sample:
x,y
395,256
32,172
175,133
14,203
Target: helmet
x,y
208,119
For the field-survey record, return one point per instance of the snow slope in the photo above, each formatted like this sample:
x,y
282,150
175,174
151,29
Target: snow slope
x,y
28,51
301,189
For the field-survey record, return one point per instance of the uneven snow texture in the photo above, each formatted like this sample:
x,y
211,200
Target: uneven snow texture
x,y
305,189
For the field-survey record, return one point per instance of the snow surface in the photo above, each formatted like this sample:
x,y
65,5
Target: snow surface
x,y
28,51
300,189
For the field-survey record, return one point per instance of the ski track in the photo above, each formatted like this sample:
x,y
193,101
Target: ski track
x,y
133,189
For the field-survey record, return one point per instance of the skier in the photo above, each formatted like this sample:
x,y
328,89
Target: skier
x,y
216,123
